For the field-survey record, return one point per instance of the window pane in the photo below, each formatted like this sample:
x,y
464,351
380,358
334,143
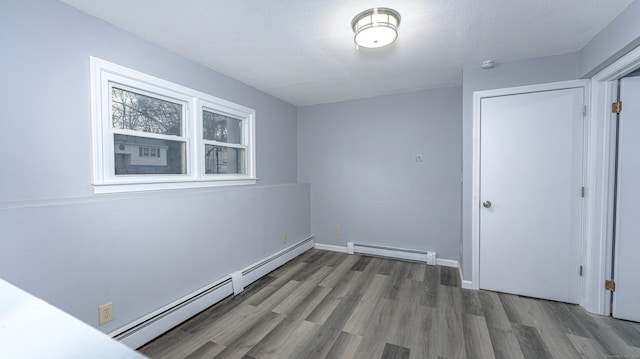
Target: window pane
x,y
135,156
217,127
224,160
133,111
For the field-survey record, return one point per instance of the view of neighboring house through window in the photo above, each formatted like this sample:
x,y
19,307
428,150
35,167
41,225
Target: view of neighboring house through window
x,y
158,125
153,134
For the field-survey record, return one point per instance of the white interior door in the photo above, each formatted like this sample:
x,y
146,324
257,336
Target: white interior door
x,y
531,173
626,298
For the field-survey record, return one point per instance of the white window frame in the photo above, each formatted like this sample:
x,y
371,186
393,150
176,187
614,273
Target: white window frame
x,y
104,75
230,112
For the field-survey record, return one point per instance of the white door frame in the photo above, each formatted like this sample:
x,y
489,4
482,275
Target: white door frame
x,y
597,245
475,216
601,177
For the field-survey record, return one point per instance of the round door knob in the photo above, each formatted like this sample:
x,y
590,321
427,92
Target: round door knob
x,y
486,204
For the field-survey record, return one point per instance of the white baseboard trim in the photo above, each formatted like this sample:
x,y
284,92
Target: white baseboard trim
x,y
154,324
467,284
447,263
329,247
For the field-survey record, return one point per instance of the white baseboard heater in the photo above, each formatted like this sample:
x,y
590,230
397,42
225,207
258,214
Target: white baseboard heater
x,y
158,322
428,257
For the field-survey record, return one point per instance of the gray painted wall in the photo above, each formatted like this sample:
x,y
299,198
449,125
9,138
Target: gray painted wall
x,y
615,40
359,157
77,250
528,72
141,251
619,37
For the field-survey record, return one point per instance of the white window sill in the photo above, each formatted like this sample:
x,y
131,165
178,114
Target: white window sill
x,y
138,187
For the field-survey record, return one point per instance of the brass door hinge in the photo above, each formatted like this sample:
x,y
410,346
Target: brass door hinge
x,y
610,285
616,107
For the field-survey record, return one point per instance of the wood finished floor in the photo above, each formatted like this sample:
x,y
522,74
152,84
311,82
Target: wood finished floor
x,y
333,305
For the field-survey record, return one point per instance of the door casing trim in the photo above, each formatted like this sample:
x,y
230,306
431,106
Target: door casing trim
x,y
601,176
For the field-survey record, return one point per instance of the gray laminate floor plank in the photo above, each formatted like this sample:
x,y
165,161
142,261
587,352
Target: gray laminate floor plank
x,y
395,352
416,271
282,341
333,305
396,278
345,346
240,320
302,292
531,343
232,325
494,312
274,285
476,335
319,346
421,342
203,319
450,297
207,350
339,271
285,337
309,304
628,331
329,259
361,264
471,302
387,266
505,343
449,276
518,309
360,317
609,340
552,330
565,319
587,347
376,333
171,345
406,323
447,334
329,303
243,343
431,280
314,256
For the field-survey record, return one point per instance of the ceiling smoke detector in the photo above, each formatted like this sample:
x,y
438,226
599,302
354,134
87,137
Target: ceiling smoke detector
x,y
488,64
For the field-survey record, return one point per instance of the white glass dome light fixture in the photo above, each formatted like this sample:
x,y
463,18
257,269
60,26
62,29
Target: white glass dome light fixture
x,y
376,27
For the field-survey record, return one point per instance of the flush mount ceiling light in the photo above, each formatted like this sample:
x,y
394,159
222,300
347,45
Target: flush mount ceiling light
x,y
376,27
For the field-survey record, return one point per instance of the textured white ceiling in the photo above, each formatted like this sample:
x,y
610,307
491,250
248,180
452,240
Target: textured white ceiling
x,y
303,52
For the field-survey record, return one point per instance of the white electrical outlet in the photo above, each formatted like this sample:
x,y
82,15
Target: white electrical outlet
x,y
284,238
105,313
337,230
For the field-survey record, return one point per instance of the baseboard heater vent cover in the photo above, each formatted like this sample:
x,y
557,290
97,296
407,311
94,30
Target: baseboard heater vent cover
x,y
428,257
172,309
158,322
